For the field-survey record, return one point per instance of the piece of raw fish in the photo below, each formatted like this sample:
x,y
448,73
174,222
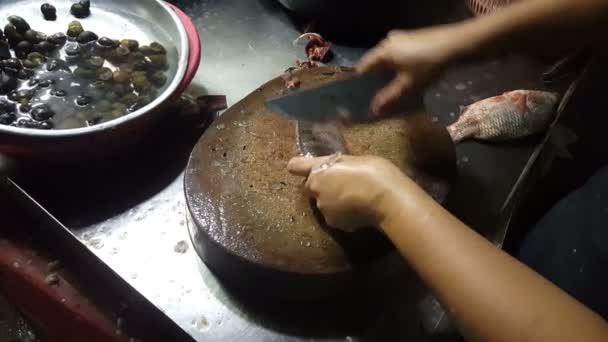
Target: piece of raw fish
x,y
514,114
319,139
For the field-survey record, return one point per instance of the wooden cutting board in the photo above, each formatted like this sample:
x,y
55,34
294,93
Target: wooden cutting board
x,y
244,202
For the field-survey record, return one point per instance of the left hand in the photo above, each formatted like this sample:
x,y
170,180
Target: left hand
x,y
351,192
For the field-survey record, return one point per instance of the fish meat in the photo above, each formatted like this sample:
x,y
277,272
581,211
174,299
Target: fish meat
x,y
512,115
319,139
317,49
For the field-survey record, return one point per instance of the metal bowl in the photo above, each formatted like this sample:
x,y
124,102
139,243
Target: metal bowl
x,y
143,20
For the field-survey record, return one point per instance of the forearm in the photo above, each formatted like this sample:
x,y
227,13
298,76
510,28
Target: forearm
x,y
533,26
491,296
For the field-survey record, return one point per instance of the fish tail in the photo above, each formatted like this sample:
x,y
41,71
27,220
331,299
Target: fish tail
x,y
462,130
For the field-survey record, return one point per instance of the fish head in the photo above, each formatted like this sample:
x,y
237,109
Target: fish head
x,y
533,99
542,99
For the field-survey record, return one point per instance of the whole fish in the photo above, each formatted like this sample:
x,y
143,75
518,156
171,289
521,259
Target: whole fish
x,y
514,114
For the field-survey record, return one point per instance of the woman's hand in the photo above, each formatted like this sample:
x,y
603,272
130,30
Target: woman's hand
x,y
351,192
417,57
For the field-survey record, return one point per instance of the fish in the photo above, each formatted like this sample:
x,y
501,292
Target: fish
x,y
319,139
512,115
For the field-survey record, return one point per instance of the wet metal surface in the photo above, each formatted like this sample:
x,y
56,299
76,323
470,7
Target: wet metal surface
x,y
131,211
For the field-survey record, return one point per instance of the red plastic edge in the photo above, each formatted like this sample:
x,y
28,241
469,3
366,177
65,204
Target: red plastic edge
x,y
194,43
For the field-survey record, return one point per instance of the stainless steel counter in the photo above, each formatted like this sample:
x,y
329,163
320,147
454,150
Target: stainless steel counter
x,y
134,217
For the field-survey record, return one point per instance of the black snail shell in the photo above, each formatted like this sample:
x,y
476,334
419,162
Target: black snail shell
x,y
86,37
83,100
49,12
58,38
10,31
34,36
25,74
94,62
104,74
105,42
7,83
58,92
23,48
42,112
80,11
20,24
12,63
5,51
7,118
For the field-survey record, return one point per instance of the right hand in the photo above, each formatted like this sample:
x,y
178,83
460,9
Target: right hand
x,y
416,56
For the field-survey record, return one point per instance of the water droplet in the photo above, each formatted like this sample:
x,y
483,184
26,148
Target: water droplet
x,y
202,324
96,243
465,159
460,86
574,250
181,247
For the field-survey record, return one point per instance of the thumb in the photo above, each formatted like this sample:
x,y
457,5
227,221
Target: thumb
x,y
301,166
390,95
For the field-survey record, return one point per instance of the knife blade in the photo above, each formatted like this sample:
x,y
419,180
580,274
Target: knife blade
x,y
346,98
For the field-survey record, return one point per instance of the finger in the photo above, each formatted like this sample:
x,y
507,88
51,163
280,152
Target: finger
x,y
301,166
312,184
390,95
373,60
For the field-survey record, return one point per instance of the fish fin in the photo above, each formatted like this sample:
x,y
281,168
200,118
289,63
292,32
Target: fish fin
x,y
521,100
563,153
563,136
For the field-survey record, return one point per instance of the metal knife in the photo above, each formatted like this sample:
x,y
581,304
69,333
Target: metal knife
x,y
348,98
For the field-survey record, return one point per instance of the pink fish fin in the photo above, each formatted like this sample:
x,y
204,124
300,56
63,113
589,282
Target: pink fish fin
x,y
522,102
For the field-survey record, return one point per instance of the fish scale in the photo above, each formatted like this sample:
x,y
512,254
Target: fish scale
x,y
511,115
319,139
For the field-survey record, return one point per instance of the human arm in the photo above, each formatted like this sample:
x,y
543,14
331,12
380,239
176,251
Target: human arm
x,y
419,56
490,295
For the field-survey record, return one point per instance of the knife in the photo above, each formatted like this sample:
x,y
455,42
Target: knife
x,y
348,98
